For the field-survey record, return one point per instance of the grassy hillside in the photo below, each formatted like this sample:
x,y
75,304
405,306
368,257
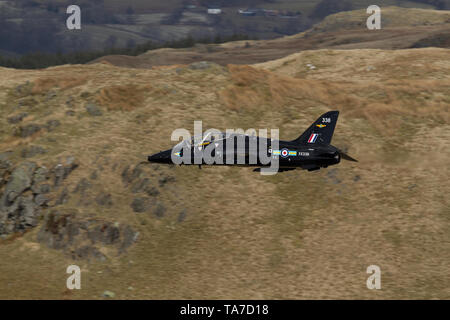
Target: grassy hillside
x,y
417,28
228,232
39,26
390,18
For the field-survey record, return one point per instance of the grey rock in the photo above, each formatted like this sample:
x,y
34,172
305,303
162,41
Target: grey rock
x,y
82,186
130,176
182,216
62,171
32,151
17,118
59,172
2,179
104,199
159,211
129,237
71,165
63,197
108,294
93,110
111,235
106,234
38,189
140,205
27,130
27,211
70,161
58,231
12,210
5,155
3,216
21,215
19,181
70,113
200,65
125,174
69,101
24,89
82,239
4,161
87,252
41,200
52,125
152,191
40,175
50,95
136,173
140,185
332,176
165,179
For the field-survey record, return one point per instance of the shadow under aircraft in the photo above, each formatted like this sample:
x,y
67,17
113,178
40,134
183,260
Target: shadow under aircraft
x,y
311,151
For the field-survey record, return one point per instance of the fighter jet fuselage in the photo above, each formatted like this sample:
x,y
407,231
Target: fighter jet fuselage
x,y
311,151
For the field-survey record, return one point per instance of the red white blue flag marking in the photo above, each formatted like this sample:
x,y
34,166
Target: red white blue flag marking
x,y
313,138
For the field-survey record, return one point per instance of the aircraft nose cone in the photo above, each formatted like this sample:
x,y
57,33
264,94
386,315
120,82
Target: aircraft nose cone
x,y
160,157
154,158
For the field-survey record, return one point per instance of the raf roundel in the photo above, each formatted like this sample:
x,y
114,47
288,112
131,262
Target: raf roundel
x,y
285,153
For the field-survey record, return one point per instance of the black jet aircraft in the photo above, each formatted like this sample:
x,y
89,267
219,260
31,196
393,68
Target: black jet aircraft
x,y
311,151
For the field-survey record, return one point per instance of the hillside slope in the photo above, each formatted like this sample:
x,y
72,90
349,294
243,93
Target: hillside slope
x,y
148,231
346,30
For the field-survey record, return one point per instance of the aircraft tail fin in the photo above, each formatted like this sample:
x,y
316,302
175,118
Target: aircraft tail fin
x,y
321,131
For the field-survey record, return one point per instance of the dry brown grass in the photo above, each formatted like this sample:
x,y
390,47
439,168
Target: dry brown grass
x,y
122,97
43,85
254,88
380,86
391,17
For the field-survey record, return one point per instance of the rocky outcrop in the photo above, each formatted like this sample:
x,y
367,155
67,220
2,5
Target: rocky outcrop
x,y
19,181
61,171
104,199
31,151
146,184
83,239
27,130
32,195
17,118
141,204
24,192
18,211
52,125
